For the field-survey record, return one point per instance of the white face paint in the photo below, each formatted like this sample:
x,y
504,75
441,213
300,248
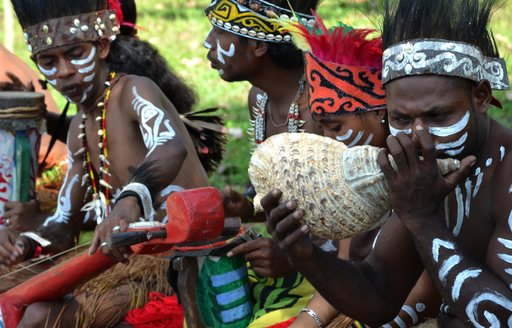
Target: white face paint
x,y
47,72
86,94
85,61
356,139
461,279
221,52
447,131
87,69
488,162
156,134
206,44
394,132
455,147
346,136
502,153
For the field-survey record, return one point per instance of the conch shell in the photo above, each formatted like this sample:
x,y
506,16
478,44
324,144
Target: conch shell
x,y
342,191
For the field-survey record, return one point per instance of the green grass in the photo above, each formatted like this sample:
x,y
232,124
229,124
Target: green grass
x,y
177,29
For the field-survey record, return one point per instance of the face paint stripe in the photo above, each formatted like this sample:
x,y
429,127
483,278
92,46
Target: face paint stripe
x,y
437,244
85,61
455,144
449,264
346,136
86,93
506,258
368,140
47,72
52,82
89,78
221,52
505,242
87,69
356,140
452,129
502,153
454,152
411,313
461,279
394,132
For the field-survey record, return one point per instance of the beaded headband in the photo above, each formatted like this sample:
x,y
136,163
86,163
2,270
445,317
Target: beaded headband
x,y
442,57
71,29
255,19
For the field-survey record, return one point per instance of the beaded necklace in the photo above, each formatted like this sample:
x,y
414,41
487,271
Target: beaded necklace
x,y
99,186
293,120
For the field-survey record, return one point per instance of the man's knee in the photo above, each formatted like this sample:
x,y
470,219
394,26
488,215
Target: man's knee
x,y
35,315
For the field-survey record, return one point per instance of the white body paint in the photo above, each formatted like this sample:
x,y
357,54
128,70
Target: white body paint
x,y
479,180
436,246
460,211
221,52
153,135
502,153
411,313
346,136
420,307
461,279
484,297
446,267
86,93
488,162
63,212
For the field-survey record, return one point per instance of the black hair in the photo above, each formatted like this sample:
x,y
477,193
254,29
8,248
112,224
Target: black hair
x,y
129,9
32,12
457,20
286,55
130,55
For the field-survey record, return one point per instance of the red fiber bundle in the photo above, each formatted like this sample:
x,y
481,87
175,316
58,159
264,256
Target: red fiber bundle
x,y
160,312
115,5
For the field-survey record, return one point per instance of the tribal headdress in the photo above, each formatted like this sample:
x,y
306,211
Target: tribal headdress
x,y
343,69
442,37
255,19
53,23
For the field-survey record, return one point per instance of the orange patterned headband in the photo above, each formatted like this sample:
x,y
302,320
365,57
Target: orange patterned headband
x,y
336,89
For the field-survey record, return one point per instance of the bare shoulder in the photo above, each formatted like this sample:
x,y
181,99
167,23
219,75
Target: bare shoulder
x,y
252,101
131,86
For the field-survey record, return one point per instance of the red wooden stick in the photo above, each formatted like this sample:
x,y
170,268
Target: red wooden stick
x,y
194,215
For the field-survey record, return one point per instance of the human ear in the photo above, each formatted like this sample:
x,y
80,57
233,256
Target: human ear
x,y
103,48
259,48
482,96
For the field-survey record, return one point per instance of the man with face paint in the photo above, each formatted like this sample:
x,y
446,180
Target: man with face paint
x,y
346,95
246,43
127,142
439,67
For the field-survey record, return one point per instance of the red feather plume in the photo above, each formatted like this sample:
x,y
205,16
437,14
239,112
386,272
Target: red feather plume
x,y
343,45
115,5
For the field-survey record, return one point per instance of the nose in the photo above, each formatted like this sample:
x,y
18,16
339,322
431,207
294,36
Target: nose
x,y
65,70
208,42
415,126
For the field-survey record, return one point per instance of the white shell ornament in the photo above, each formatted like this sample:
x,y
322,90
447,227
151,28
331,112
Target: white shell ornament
x,y
342,191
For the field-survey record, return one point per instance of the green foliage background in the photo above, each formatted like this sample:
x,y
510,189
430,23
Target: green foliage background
x,y
177,28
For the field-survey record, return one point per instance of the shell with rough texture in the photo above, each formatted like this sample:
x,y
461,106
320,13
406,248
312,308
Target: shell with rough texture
x,y
342,191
